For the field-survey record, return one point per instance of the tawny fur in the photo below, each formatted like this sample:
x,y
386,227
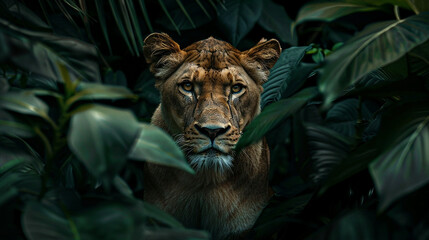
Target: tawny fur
x,y
225,199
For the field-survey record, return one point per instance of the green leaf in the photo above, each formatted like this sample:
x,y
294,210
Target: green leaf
x,y
101,137
274,114
41,53
331,10
418,6
25,102
155,146
181,20
106,221
365,52
283,74
403,165
14,127
278,213
39,222
275,19
174,234
326,148
94,91
238,18
151,211
343,116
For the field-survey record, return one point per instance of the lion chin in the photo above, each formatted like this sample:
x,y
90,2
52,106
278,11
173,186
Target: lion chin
x,y
211,160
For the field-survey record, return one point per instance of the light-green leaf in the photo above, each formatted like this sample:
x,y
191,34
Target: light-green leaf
x,y
155,146
101,137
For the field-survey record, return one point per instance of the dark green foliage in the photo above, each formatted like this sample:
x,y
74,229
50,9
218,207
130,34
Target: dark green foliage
x,y
345,112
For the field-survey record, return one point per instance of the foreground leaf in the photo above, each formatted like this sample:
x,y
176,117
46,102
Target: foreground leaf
x,y
282,75
155,146
403,165
273,115
100,137
366,52
239,17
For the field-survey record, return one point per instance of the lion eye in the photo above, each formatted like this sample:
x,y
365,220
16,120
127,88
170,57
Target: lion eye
x,y
237,88
187,86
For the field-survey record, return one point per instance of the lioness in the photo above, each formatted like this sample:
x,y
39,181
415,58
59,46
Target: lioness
x,y
209,92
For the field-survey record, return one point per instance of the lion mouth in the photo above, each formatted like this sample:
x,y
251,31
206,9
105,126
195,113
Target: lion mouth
x,y
211,159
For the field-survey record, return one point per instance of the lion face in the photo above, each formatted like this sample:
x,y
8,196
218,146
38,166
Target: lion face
x,y
209,92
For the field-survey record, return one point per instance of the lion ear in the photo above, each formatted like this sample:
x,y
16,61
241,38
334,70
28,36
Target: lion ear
x,y
261,58
163,54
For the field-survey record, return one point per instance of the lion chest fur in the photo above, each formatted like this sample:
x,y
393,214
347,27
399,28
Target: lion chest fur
x,y
210,92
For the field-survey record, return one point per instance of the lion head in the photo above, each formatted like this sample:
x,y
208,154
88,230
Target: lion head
x,y
209,91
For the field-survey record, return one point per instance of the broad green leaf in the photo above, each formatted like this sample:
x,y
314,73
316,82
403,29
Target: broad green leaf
x,y
331,10
275,19
278,213
106,221
101,137
238,18
41,52
357,161
403,165
151,211
25,102
155,146
181,20
174,234
326,149
418,6
371,49
94,91
282,75
343,116
41,222
273,115
14,127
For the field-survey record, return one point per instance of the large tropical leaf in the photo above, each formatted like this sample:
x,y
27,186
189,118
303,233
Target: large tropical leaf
x,y
275,19
155,146
326,149
273,115
25,102
101,137
403,165
182,19
331,10
368,51
41,53
238,18
343,116
283,75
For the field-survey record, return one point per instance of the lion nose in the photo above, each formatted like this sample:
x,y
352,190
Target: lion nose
x,y
212,131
